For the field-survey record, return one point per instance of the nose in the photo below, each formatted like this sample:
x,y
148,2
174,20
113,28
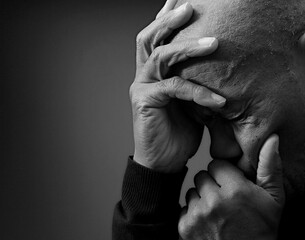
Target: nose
x,y
223,141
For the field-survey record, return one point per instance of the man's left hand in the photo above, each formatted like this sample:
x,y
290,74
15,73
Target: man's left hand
x,y
226,205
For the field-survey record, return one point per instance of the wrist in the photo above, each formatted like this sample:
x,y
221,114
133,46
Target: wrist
x,y
160,163
149,194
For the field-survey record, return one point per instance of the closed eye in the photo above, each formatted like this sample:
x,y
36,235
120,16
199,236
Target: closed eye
x,y
238,117
234,111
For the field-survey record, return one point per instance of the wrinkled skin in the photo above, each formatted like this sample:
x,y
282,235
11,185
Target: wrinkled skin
x,y
260,70
263,83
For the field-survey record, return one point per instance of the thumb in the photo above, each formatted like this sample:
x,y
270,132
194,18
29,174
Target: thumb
x,y
269,170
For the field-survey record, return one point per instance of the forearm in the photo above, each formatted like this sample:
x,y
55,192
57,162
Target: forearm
x,y
149,208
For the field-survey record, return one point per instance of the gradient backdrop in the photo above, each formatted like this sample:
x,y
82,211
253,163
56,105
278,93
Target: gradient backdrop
x,y
66,128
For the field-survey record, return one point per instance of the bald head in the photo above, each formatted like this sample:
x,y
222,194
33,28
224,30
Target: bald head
x,y
260,69
259,33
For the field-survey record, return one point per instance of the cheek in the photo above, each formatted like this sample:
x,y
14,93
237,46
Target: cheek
x,y
264,120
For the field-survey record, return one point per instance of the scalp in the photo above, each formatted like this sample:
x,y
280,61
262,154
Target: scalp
x,y
253,35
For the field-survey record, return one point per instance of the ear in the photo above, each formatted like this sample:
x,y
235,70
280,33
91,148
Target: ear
x,y
302,43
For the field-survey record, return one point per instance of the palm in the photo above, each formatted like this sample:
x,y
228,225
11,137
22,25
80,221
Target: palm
x,y
185,134
173,136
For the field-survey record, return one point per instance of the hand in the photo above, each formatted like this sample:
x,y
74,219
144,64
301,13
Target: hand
x,y
165,137
226,205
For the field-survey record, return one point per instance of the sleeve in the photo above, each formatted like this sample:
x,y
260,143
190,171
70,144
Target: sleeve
x,y
149,208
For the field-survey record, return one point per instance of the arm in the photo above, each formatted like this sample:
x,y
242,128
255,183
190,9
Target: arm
x,y
149,208
165,137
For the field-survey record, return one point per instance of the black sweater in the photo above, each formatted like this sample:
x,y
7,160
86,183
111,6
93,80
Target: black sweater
x,y
149,208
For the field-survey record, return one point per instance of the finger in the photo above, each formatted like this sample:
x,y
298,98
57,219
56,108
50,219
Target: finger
x,y
165,56
269,171
225,174
169,5
223,137
150,37
183,212
205,184
162,92
182,224
191,197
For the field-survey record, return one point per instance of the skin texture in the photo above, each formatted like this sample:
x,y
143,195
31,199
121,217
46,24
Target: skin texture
x,y
166,137
226,205
161,126
258,68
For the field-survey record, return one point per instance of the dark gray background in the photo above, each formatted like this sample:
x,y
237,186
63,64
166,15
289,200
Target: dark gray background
x,y
66,128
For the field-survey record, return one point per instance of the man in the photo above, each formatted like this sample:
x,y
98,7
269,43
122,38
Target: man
x,y
261,80
260,69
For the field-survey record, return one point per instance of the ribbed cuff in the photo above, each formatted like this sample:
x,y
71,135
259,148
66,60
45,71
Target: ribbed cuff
x,y
150,196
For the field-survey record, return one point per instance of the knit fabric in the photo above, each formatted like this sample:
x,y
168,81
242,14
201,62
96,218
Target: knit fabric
x,y
149,208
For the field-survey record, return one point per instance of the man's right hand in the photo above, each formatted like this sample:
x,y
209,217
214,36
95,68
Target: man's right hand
x,y
165,137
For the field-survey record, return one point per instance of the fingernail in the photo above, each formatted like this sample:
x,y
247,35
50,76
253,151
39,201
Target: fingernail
x,y
219,99
182,8
207,41
169,5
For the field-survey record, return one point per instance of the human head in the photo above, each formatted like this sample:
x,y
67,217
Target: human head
x,y
260,69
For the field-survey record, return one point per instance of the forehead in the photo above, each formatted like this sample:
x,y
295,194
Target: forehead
x,y
255,39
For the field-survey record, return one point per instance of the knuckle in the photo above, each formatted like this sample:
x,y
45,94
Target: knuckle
x,y
140,108
198,178
134,91
183,229
164,20
141,38
213,165
170,86
176,83
162,86
131,91
200,91
157,54
213,202
237,192
196,215
190,194
138,100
